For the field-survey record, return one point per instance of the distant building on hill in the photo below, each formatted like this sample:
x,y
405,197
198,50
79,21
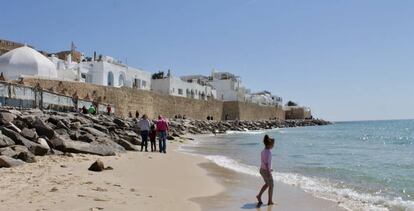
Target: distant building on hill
x,y
183,88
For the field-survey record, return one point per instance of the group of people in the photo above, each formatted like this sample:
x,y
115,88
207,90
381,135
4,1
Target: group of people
x,y
90,110
150,131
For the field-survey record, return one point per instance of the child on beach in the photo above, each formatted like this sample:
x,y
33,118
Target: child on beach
x,y
266,170
153,136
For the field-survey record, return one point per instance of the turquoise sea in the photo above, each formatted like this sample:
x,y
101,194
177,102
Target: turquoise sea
x,y
366,165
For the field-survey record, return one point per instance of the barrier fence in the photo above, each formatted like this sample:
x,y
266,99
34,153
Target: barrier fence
x,y
21,96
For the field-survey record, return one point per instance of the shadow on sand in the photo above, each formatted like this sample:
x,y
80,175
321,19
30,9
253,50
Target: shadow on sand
x,y
253,206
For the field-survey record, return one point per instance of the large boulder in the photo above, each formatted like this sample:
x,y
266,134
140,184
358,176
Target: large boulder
x,y
6,117
24,154
126,144
42,128
5,141
120,123
9,162
65,144
29,134
7,151
33,147
94,132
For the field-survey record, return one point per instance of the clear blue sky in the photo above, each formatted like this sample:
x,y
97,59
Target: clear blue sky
x,y
347,59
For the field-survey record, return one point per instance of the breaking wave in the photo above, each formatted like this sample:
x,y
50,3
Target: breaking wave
x,y
322,188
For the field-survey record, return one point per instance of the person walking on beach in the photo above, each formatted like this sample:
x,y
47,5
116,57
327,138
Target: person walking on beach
x,y
144,126
152,138
266,170
162,129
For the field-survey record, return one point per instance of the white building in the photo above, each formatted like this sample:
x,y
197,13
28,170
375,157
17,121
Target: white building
x,y
228,86
26,62
264,98
177,87
104,71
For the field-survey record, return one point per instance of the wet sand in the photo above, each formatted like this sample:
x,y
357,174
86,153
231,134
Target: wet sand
x,y
241,190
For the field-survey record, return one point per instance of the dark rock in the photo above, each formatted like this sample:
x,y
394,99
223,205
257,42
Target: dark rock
x,y
29,134
130,133
126,144
42,128
20,124
98,165
33,147
6,117
25,156
175,135
120,123
100,128
87,138
135,141
170,138
5,141
9,162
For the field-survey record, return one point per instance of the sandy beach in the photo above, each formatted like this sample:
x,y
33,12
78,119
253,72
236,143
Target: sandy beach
x,y
139,181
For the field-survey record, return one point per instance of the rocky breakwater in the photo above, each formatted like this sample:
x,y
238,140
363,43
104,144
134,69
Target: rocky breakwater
x,y
27,134
183,126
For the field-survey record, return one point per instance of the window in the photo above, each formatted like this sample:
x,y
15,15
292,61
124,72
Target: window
x,y
137,83
83,75
121,80
180,91
110,79
144,84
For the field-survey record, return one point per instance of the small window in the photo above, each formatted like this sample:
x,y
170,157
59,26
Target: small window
x,y
83,75
144,84
180,91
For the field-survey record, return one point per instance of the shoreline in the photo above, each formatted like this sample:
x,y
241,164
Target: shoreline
x,y
240,191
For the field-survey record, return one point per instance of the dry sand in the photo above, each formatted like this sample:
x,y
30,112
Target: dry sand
x,y
139,181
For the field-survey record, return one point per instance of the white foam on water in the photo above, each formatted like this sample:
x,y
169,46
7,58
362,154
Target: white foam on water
x,y
252,132
322,188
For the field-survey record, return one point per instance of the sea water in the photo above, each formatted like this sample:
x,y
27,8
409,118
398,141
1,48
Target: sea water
x,y
367,165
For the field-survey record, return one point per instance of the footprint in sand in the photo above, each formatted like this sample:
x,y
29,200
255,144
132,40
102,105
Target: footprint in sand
x,y
99,189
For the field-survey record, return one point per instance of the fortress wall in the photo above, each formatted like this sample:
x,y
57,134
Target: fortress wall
x,y
250,111
129,100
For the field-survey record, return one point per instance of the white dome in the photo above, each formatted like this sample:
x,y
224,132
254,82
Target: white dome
x,y
25,61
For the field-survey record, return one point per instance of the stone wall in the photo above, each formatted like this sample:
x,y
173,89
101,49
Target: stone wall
x,y
294,112
249,111
129,100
